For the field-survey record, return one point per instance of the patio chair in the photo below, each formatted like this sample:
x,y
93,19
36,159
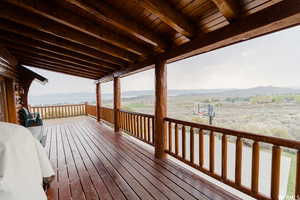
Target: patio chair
x,y
29,119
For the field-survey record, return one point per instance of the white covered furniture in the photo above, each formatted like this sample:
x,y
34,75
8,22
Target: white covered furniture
x,y
23,164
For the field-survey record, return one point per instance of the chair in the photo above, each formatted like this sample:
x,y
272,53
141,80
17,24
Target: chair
x,y
30,119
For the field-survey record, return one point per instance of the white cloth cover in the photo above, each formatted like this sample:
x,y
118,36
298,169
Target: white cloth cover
x,y
23,164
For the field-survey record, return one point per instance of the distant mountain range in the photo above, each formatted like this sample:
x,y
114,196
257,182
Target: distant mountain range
x,y
90,97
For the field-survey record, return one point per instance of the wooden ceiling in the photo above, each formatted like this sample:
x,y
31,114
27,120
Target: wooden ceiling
x,y
100,39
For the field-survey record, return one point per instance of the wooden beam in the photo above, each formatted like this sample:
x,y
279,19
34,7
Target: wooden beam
x,y
56,68
40,23
62,65
11,101
228,8
64,16
98,101
56,61
107,13
45,54
170,16
96,56
117,102
53,49
160,108
276,17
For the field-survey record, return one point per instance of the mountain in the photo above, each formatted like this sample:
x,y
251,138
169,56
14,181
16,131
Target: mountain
x,y
90,97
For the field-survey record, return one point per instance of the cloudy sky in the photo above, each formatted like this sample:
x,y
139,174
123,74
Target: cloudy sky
x,y
269,60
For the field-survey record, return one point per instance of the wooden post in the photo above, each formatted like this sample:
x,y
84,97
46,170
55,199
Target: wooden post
x,y
117,102
11,103
98,101
160,108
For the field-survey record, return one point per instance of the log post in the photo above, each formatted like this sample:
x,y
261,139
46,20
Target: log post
x,y
117,102
160,108
11,102
98,101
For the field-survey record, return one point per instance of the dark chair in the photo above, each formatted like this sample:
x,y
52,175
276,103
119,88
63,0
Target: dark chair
x,y
28,119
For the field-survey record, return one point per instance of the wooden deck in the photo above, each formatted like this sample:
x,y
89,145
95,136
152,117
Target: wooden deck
x,y
92,162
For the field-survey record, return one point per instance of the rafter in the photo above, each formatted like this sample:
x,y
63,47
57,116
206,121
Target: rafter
x,y
107,13
59,42
53,49
40,53
56,62
276,17
40,23
170,16
55,69
54,12
228,8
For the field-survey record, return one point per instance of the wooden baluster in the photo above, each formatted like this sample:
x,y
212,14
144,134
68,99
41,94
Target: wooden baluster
x,y
297,189
275,177
255,167
212,152
145,129
183,142
224,156
170,136
201,148
238,161
192,145
153,131
134,125
128,123
176,139
148,130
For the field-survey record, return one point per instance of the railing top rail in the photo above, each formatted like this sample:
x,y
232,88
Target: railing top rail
x,y
106,108
57,105
137,113
259,138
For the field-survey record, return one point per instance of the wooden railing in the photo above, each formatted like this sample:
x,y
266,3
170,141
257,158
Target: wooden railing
x,y
59,111
182,138
138,125
91,110
107,114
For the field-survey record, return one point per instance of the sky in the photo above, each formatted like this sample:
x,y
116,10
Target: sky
x,y
271,60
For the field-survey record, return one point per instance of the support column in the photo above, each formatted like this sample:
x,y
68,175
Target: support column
x,y
117,102
11,103
98,101
160,108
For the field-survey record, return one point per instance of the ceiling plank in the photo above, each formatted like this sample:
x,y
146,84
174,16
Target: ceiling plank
x,y
57,13
40,23
228,8
53,49
55,69
274,18
107,13
30,51
53,40
56,62
170,16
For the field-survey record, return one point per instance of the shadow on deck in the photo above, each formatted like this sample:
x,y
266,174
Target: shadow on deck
x,y
92,162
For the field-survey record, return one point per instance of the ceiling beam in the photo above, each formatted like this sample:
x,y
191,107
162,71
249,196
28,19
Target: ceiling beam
x,y
54,69
170,16
59,42
53,49
274,18
56,62
41,23
57,13
39,53
105,12
228,8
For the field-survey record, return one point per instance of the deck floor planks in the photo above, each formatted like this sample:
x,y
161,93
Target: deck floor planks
x,y
159,176
92,162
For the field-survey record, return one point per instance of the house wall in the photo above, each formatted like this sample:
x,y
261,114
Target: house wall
x,y
16,85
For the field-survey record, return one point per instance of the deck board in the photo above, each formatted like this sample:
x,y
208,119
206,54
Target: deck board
x,y
92,162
